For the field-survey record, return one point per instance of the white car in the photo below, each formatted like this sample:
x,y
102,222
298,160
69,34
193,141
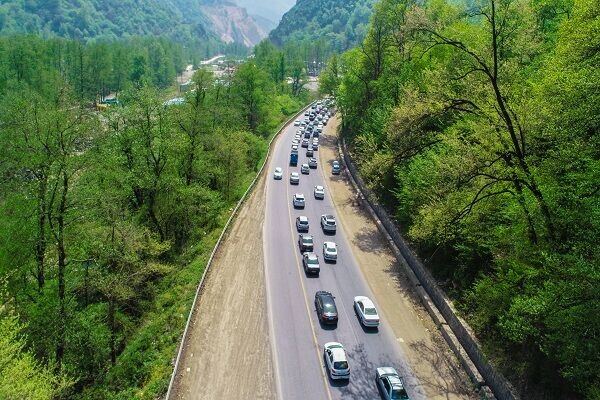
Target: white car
x,y
297,122
312,163
305,169
298,200
319,192
366,311
278,174
295,142
315,145
391,384
330,251
336,361
295,178
328,223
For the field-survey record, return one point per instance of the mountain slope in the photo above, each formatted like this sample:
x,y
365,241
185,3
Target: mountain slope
x,y
271,10
341,23
86,19
180,20
233,24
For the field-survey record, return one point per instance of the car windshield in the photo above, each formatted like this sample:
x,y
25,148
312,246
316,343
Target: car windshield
x,y
370,311
340,365
399,394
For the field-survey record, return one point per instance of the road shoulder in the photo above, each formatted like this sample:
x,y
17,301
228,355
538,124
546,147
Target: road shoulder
x,y
430,358
228,353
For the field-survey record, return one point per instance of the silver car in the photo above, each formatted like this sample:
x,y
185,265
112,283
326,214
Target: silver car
x,y
294,178
330,251
298,200
319,192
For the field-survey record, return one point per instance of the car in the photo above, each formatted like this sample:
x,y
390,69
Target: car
x,y
294,178
330,251
328,223
295,147
366,312
305,242
278,174
319,192
325,307
335,168
298,200
297,122
391,385
295,142
312,163
305,169
309,151
315,145
336,361
302,223
320,127
305,143
310,262
306,113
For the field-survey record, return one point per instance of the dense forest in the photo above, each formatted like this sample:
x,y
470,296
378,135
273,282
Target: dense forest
x,y
477,125
107,218
339,24
181,21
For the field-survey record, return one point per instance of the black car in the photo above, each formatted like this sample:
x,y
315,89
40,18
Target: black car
x,y
325,306
305,242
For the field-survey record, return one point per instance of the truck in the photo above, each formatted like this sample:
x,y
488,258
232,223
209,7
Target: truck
x,y
294,158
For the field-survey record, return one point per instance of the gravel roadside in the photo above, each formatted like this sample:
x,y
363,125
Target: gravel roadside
x,y
228,351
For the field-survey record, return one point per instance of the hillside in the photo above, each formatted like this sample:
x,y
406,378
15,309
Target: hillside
x,y
232,23
271,11
180,20
341,23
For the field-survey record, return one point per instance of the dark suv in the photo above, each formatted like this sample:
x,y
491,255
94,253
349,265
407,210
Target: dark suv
x,y
325,306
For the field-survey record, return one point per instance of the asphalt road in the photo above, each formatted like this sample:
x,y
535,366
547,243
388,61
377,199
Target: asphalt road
x,y
297,335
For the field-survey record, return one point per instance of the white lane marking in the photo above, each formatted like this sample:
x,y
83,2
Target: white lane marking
x,y
306,302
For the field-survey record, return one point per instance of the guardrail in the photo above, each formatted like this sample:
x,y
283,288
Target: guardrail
x,y
218,244
453,329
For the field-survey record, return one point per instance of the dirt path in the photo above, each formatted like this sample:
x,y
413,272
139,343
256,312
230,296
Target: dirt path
x,y
228,353
430,358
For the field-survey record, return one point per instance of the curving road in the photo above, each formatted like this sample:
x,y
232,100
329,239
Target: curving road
x,y
297,336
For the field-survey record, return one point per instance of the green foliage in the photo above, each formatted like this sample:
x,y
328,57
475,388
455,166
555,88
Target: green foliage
x,y
340,24
21,376
477,125
108,218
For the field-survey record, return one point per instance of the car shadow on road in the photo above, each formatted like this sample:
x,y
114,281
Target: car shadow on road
x,y
327,327
448,376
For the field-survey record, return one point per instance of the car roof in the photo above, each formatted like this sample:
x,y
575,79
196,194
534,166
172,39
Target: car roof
x,y
303,218
328,216
294,173
386,371
329,244
299,195
337,350
278,169
365,300
319,187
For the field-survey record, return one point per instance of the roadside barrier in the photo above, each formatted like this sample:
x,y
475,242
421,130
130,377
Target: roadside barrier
x,y
455,331
218,244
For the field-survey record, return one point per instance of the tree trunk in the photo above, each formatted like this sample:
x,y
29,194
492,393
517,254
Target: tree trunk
x,y
40,245
62,256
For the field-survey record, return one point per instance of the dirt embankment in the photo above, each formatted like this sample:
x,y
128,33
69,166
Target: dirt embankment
x,y
228,352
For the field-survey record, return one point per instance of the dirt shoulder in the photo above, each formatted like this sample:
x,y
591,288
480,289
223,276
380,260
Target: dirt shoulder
x,y
433,363
228,352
